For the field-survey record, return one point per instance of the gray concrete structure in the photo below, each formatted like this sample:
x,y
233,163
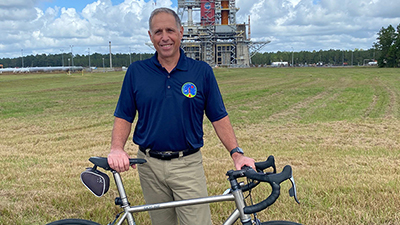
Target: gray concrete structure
x,y
215,37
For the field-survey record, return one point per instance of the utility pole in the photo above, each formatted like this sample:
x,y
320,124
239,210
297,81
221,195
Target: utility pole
x,y
351,57
292,57
62,57
110,55
343,58
22,54
89,57
69,66
72,56
104,69
130,58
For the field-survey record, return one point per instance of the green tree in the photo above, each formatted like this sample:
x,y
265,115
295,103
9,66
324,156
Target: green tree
x,y
397,46
387,45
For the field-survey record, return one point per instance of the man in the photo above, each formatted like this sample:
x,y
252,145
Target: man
x,y
171,93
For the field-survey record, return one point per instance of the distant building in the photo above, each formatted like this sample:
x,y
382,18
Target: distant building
x,y
47,69
279,64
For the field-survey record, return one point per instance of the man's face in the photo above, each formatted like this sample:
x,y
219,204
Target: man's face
x,y
165,35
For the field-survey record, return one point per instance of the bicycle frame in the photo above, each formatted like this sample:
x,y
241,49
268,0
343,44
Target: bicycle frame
x,y
236,196
235,193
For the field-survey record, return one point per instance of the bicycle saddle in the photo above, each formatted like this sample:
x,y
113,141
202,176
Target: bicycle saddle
x,y
102,162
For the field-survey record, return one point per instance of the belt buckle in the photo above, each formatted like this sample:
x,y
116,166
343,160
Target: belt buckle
x,y
167,155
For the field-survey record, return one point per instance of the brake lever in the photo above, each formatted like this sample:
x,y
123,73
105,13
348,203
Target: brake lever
x,y
292,190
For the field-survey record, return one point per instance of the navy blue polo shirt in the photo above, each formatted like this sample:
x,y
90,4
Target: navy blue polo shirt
x,y
170,106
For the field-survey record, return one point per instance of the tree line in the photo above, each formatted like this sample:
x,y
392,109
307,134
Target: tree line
x,y
322,57
385,51
66,59
331,57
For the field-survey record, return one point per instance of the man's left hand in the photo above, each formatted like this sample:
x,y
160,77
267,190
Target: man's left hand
x,y
240,160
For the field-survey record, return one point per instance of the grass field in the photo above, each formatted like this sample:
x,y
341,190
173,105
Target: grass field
x,y
339,128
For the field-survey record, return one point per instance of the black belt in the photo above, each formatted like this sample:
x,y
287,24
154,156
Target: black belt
x,y
168,155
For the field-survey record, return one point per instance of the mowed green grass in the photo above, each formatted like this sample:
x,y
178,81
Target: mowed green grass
x,y
338,128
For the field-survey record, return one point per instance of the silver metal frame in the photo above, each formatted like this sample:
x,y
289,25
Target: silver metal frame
x,y
236,196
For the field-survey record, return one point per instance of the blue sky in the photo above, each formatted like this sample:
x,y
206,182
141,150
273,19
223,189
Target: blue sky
x,y
52,26
79,5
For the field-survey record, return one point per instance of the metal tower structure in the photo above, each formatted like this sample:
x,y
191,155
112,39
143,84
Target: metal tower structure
x,y
216,38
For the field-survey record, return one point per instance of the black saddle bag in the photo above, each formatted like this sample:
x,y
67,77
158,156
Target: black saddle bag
x,y
96,181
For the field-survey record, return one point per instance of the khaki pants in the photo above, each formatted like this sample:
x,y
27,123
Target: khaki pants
x,y
176,179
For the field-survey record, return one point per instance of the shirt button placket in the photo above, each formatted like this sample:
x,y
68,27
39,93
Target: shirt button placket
x,y
168,85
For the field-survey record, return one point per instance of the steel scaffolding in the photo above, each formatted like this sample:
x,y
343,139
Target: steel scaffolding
x,y
216,38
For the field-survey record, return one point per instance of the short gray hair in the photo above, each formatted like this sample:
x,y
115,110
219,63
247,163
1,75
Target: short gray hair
x,y
165,10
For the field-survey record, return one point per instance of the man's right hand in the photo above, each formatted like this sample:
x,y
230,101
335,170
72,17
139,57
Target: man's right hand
x,y
118,160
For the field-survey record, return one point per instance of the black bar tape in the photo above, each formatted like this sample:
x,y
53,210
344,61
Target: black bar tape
x,y
270,162
267,202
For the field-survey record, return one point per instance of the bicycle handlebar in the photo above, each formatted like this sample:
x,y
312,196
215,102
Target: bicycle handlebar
x,y
260,167
274,179
270,162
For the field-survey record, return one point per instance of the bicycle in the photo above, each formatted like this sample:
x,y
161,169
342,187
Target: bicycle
x,y
246,214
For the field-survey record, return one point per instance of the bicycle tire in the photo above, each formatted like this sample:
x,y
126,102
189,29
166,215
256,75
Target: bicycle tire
x,y
279,222
73,222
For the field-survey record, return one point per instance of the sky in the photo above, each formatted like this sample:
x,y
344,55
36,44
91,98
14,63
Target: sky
x,y
30,27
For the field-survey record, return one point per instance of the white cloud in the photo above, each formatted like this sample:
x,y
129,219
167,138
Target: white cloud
x,y
301,24
17,3
68,25
323,24
29,28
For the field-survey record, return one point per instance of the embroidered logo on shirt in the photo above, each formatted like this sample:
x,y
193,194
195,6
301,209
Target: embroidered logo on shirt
x,y
189,89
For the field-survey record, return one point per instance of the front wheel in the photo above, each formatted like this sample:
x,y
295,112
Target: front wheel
x,y
73,222
280,223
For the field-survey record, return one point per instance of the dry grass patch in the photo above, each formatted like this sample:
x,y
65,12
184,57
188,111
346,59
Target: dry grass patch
x,y
338,128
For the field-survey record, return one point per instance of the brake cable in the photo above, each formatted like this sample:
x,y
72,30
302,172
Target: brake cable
x,y
257,222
